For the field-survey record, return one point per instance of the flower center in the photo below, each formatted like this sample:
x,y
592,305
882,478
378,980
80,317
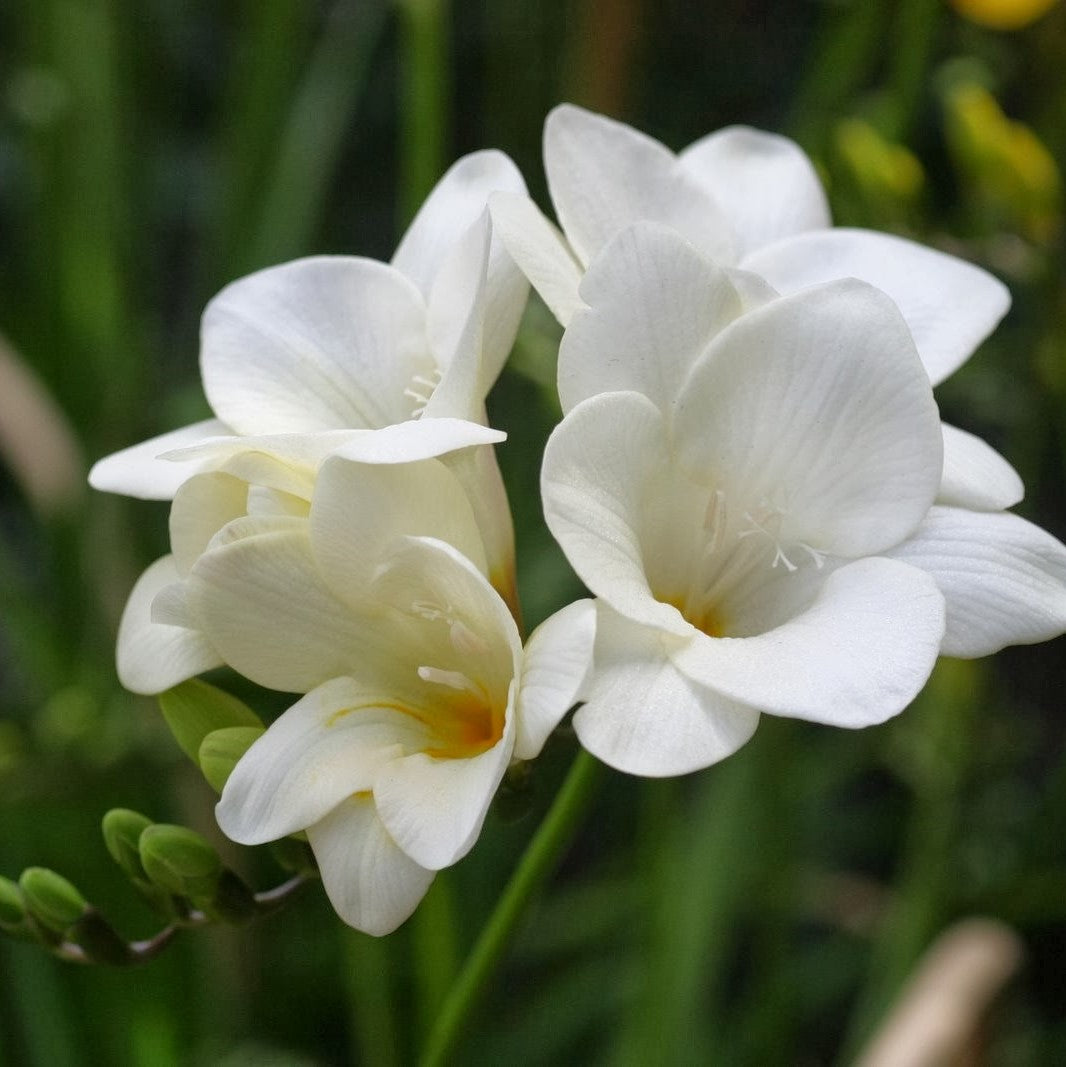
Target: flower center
x,y
421,389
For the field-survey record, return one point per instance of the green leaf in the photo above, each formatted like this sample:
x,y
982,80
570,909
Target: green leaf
x,y
221,749
51,899
194,709
180,861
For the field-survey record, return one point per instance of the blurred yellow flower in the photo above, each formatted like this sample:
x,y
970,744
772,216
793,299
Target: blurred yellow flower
x,y
1002,14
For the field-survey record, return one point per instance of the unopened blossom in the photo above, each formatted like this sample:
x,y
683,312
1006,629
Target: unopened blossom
x,y
752,203
341,343
372,600
752,499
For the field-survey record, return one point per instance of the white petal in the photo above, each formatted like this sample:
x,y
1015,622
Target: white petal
x,y
540,250
764,184
371,883
976,475
654,303
264,606
456,326
479,475
643,716
434,808
816,407
359,510
202,506
326,343
454,204
555,664
856,657
604,175
138,471
328,745
950,305
1003,578
155,656
598,465
407,442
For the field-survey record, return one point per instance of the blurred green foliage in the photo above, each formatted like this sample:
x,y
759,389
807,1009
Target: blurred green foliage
x,y
765,911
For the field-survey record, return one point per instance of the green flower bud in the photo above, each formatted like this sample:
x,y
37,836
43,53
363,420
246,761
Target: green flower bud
x,y
98,939
51,899
221,749
194,709
180,861
122,831
12,908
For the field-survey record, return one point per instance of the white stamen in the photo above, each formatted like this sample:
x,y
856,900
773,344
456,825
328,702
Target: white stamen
x,y
465,641
451,679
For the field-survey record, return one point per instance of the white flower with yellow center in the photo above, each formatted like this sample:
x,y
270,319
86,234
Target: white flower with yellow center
x,y
733,491
372,599
751,202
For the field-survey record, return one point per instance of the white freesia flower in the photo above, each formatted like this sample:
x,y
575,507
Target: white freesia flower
x,y
336,343
418,691
752,202
269,477
740,493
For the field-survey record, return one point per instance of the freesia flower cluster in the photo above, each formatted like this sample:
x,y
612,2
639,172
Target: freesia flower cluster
x,y
751,477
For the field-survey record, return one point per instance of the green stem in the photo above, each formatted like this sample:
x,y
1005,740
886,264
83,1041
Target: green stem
x,y
535,867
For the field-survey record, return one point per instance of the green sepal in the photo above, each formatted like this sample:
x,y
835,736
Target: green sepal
x,y
51,899
294,855
221,749
516,797
180,861
12,906
98,940
233,901
122,831
195,709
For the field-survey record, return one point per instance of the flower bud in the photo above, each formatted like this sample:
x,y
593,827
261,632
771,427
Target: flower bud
x,y
180,861
122,831
51,899
12,908
221,749
194,709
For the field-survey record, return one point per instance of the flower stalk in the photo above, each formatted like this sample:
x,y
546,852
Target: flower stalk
x,y
536,866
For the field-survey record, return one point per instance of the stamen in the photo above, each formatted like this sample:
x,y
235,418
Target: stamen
x,y
452,679
465,641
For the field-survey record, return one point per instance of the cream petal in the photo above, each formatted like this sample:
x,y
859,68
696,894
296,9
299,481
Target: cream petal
x,y
138,471
434,808
643,716
326,343
600,465
815,410
330,744
202,506
976,475
416,439
263,604
1003,578
654,303
555,663
453,205
857,656
764,184
604,175
359,510
153,656
371,883
950,305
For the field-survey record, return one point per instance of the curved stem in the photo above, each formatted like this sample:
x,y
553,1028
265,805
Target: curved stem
x,y
536,865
